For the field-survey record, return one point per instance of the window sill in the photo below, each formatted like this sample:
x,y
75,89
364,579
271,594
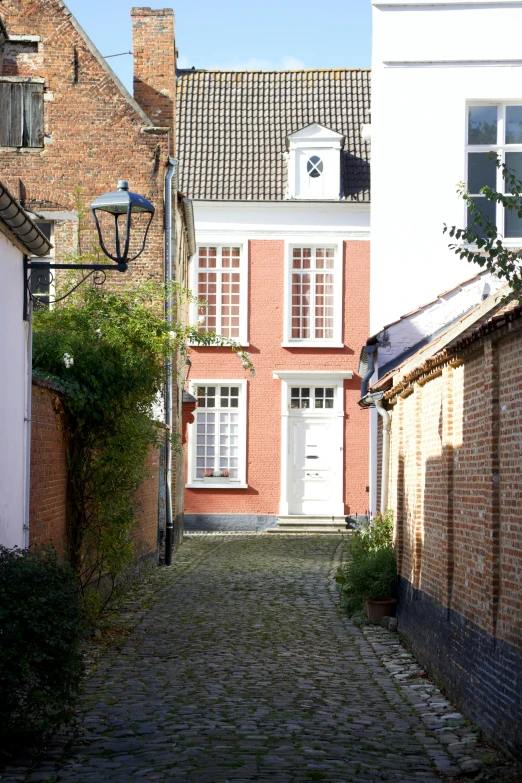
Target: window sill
x,y
208,485
33,150
197,345
312,344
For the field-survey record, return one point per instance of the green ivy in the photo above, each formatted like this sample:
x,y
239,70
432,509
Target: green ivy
x,y
109,349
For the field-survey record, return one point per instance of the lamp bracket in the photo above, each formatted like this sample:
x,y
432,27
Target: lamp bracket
x,y
97,273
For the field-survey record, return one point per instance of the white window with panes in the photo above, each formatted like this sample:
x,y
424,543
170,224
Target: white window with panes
x,y
494,127
217,453
219,282
314,297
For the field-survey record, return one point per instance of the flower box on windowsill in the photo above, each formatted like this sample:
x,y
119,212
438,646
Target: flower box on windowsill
x,y
216,479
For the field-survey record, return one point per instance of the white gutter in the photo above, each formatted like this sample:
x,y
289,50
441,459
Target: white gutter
x,y
383,413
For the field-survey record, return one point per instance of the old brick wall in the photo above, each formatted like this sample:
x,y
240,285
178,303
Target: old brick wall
x,y
455,488
145,534
94,133
266,306
48,500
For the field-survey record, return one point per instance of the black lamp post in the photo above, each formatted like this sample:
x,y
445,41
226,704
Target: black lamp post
x,y
122,205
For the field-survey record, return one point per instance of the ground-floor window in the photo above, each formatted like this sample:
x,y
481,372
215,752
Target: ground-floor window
x,y
217,437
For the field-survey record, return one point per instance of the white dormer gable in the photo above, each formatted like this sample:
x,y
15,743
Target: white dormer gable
x,y
314,163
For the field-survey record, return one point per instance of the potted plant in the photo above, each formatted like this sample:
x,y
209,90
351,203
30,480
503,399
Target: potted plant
x,y
217,476
369,576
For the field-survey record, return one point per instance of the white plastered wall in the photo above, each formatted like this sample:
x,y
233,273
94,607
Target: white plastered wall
x,y
13,390
429,60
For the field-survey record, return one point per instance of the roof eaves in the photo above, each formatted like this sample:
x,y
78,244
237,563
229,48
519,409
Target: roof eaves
x,y
19,224
101,60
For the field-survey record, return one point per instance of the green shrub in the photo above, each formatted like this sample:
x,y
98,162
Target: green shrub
x,y
41,625
370,568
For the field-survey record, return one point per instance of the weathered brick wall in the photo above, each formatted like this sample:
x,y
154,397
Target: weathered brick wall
x,y
48,500
145,534
266,307
93,134
455,488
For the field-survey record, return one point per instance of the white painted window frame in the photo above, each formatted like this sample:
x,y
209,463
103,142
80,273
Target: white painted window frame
x,y
337,340
243,285
500,148
241,482
310,378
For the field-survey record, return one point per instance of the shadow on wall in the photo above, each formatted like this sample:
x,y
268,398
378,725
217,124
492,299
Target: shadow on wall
x,y
459,541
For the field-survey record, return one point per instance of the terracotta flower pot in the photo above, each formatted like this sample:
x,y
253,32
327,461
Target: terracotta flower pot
x,y
376,610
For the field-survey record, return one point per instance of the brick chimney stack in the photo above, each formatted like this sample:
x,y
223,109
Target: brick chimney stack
x,y
155,65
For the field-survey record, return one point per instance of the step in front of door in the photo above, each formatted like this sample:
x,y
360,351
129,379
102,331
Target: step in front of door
x,y
309,524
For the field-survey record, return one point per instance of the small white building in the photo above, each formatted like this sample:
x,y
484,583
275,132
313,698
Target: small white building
x,y
447,89
19,237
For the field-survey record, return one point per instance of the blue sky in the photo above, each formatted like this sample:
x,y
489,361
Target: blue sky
x,y
240,33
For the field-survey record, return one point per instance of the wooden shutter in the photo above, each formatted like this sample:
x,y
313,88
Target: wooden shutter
x,y
32,115
11,114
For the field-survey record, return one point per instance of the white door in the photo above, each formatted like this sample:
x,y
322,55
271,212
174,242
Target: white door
x,y
315,452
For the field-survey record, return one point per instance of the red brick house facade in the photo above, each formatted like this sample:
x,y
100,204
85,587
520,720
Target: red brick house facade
x,y
279,174
70,130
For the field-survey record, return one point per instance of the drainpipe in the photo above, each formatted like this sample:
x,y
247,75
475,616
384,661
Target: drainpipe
x,y
369,350
383,413
28,417
171,183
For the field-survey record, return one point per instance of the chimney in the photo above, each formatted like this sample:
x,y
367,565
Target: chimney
x,y
155,65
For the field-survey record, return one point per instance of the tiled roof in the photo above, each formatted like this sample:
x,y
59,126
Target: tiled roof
x,y
232,127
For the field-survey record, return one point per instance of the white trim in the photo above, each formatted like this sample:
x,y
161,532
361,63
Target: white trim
x,y
452,63
313,378
243,283
241,483
338,268
296,376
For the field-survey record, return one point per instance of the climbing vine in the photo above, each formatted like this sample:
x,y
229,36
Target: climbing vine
x,y
108,350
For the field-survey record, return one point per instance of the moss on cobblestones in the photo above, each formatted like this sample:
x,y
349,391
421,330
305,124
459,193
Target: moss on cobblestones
x,y
243,669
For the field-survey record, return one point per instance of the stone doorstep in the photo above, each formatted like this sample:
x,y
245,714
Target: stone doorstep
x,y
302,523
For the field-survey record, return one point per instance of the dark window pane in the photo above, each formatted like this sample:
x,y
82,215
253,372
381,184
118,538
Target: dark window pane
x,y
482,125
46,229
513,124
481,171
514,164
314,166
488,208
512,224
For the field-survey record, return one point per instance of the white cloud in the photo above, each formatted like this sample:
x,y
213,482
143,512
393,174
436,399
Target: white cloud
x,y
286,63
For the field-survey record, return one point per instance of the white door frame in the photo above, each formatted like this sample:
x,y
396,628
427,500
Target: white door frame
x,y
312,378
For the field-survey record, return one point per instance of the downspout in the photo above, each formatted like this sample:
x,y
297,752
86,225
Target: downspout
x,y
170,265
383,413
28,418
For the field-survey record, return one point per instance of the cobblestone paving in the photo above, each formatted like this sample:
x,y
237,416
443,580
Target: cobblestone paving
x,y
244,670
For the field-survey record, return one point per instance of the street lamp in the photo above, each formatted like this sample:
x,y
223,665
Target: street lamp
x,y
131,218
122,205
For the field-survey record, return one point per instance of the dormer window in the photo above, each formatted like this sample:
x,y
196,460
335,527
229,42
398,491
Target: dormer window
x,y
314,163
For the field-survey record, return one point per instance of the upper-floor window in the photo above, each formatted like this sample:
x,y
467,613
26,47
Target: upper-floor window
x,y
494,128
21,112
220,284
313,313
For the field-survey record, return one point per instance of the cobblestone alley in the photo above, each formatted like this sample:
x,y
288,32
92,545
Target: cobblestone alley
x,y
244,670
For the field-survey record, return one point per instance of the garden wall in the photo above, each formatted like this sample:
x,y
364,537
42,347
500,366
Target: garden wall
x,y
455,468
48,501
